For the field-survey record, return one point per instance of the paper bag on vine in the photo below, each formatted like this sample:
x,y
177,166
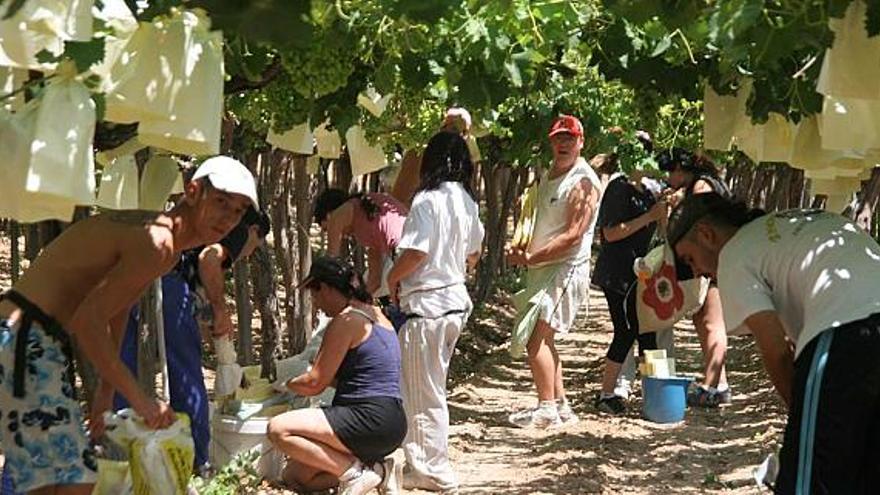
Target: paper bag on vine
x,y
661,298
299,139
48,161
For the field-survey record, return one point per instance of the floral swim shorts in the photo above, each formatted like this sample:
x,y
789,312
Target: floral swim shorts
x,y
42,432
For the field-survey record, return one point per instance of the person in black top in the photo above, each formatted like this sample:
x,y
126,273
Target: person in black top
x,y
628,216
695,174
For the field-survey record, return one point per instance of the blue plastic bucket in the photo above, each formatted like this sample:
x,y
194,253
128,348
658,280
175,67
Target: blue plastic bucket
x,y
664,399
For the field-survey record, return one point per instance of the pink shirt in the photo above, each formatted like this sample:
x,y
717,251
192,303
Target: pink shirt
x,y
383,231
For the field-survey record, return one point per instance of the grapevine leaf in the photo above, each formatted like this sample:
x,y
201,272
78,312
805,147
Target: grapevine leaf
x,y
100,105
46,57
84,53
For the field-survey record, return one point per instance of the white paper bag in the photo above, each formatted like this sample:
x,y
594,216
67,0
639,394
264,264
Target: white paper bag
x,y
328,142
118,189
851,67
161,174
299,139
365,158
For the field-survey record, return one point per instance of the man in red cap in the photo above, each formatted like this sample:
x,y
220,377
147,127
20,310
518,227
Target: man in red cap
x,y
557,259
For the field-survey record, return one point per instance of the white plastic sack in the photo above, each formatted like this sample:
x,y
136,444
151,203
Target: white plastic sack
x,y
661,299
48,159
227,380
42,25
292,367
328,142
161,461
299,139
365,158
118,189
851,67
161,174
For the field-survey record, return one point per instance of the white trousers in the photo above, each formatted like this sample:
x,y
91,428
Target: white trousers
x,y
426,346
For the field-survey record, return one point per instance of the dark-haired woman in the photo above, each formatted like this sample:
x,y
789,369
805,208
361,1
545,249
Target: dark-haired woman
x,y
346,443
698,175
441,236
374,220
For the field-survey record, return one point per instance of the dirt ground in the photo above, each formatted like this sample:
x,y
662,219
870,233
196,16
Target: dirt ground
x,y
712,451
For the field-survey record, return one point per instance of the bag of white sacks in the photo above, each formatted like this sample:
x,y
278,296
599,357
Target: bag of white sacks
x,y
161,461
229,373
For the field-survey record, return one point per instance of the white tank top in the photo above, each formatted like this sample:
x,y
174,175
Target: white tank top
x,y
552,212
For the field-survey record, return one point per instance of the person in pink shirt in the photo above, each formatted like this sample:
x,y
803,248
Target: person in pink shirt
x,y
374,220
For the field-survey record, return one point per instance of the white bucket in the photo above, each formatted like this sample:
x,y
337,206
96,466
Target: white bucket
x,y
230,436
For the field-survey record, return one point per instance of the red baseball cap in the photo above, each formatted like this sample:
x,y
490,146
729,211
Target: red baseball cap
x,y
567,124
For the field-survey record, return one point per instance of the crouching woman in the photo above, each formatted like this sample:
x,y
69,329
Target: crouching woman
x,y
345,444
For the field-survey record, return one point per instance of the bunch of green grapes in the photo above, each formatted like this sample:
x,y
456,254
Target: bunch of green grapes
x,y
322,68
287,106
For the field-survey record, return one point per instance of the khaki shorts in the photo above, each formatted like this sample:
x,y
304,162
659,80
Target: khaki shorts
x,y
569,290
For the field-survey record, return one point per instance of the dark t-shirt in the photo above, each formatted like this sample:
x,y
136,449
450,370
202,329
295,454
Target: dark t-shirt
x,y
622,202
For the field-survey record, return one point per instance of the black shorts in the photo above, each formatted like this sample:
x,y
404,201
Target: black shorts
x,y
370,428
847,430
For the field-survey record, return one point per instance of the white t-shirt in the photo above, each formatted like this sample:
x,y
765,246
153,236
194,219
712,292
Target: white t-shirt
x,y
552,212
444,224
817,270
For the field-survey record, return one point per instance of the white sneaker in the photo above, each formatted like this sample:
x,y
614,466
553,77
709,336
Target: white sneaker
x,y
623,388
361,484
539,417
392,477
566,415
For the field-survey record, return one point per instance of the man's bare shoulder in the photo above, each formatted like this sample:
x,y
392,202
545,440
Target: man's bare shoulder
x,y
142,233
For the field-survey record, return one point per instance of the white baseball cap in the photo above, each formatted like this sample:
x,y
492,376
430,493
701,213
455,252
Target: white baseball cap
x,y
229,175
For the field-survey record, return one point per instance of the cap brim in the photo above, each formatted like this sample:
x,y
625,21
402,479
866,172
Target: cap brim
x,y
235,187
563,131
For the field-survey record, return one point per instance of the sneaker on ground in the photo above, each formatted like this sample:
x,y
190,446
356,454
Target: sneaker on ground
x,y
361,484
538,417
566,415
392,476
622,388
611,405
411,481
700,396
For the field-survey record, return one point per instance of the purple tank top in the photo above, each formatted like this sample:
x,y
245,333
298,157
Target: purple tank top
x,y
371,369
383,231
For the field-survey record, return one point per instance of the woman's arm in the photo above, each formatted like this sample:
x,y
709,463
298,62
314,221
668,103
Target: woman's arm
x,y
337,341
338,223
630,227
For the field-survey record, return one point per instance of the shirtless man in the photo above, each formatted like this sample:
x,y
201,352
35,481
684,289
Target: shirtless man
x,y
81,288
